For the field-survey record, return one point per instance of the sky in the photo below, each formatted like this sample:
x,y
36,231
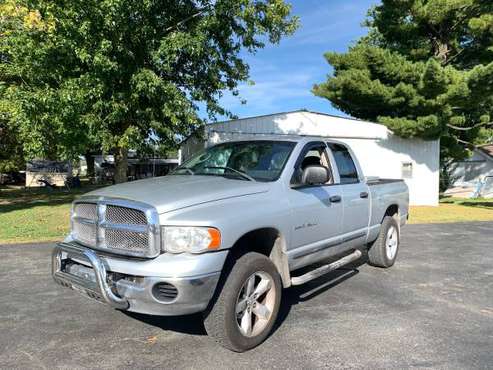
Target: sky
x,y
284,74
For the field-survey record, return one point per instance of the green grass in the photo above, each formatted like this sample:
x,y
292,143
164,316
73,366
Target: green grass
x,y
38,215
35,215
453,210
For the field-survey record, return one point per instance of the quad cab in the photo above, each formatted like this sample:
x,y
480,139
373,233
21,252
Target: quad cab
x,y
229,230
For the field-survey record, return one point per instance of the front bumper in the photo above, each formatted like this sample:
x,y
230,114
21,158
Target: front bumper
x,y
113,280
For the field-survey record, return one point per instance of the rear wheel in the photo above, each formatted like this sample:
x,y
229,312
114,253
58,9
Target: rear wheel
x,y
248,304
383,252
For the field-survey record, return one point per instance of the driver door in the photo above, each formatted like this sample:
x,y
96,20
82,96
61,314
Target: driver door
x,y
316,210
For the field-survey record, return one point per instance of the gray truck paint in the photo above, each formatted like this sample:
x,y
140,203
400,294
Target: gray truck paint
x,y
310,227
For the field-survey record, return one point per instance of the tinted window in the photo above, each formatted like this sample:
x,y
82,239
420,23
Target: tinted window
x,y
345,164
261,160
316,155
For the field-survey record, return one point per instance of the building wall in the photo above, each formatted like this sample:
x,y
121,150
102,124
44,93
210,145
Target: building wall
x,y
471,171
388,158
380,153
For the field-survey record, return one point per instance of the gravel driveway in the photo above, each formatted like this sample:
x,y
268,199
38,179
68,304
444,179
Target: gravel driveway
x,y
433,309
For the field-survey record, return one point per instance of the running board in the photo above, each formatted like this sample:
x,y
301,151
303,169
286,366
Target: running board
x,y
322,270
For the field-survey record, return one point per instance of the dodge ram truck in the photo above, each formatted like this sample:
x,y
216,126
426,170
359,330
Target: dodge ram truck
x,y
229,230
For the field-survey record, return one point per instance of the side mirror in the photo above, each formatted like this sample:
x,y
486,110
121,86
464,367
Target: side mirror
x,y
315,175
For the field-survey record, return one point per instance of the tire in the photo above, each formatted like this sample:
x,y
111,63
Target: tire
x,y
384,250
232,330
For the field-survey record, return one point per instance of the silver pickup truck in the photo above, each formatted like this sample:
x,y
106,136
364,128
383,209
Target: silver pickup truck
x,y
228,230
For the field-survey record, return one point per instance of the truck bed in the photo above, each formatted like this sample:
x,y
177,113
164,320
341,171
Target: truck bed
x,y
379,181
386,192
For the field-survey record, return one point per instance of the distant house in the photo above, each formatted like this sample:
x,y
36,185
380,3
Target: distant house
x,y
467,174
40,171
380,152
138,167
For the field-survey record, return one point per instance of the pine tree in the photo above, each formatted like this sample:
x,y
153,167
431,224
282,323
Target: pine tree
x,y
425,70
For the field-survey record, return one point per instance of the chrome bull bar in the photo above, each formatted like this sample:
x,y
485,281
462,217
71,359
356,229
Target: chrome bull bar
x,y
100,289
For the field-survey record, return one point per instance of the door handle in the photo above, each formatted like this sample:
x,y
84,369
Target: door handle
x,y
363,194
335,199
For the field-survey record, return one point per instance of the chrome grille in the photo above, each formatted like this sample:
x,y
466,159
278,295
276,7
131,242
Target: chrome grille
x,y
127,240
86,210
122,215
85,233
117,226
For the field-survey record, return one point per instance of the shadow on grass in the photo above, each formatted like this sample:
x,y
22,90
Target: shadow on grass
x,y
471,202
21,199
485,204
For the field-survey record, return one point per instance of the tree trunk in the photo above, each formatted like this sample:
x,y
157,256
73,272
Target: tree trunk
x,y
90,165
120,165
441,50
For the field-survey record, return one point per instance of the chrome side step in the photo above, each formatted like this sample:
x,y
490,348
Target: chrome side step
x,y
322,270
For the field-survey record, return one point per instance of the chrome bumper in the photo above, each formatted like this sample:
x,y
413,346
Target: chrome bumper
x,y
126,291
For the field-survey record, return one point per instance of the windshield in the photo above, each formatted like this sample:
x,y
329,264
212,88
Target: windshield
x,y
249,160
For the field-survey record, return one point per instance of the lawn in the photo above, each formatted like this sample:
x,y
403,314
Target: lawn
x,y
453,210
38,215
35,214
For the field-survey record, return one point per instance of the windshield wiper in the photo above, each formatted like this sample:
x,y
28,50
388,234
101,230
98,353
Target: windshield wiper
x,y
189,170
240,173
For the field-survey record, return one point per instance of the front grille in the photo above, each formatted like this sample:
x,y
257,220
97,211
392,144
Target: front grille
x,y
122,215
126,240
86,210
85,233
117,227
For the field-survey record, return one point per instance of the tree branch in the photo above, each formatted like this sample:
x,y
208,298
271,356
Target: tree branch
x,y
454,57
467,143
469,128
200,12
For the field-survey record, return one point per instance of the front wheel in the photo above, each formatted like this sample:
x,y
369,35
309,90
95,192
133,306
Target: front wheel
x,y
383,252
247,306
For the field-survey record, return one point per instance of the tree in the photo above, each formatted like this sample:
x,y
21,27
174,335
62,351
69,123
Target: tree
x,y
11,151
11,155
121,73
424,70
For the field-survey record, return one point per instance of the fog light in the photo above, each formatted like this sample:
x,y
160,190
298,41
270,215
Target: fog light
x,y
164,292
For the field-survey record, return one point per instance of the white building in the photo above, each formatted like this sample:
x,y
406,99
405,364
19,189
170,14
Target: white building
x,y
380,152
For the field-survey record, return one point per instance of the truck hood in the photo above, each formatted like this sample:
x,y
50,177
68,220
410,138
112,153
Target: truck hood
x,y
170,193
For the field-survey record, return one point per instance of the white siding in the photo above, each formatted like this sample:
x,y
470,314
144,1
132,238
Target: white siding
x,y
384,158
380,152
471,171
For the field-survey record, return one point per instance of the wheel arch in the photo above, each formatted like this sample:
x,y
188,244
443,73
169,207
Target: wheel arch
x,y
268,241
391,210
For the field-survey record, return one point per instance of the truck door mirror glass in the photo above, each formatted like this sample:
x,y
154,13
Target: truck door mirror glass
x,y
315,175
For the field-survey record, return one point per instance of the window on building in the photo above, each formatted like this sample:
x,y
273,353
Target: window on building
x,y
407,170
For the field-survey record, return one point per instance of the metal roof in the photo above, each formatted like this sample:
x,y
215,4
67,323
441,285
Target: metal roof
x,y
302,123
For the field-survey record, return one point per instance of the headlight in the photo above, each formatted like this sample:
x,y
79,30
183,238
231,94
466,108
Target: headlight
x,y
179,239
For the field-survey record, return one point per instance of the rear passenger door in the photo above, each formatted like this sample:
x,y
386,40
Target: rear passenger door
x,y
355,194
